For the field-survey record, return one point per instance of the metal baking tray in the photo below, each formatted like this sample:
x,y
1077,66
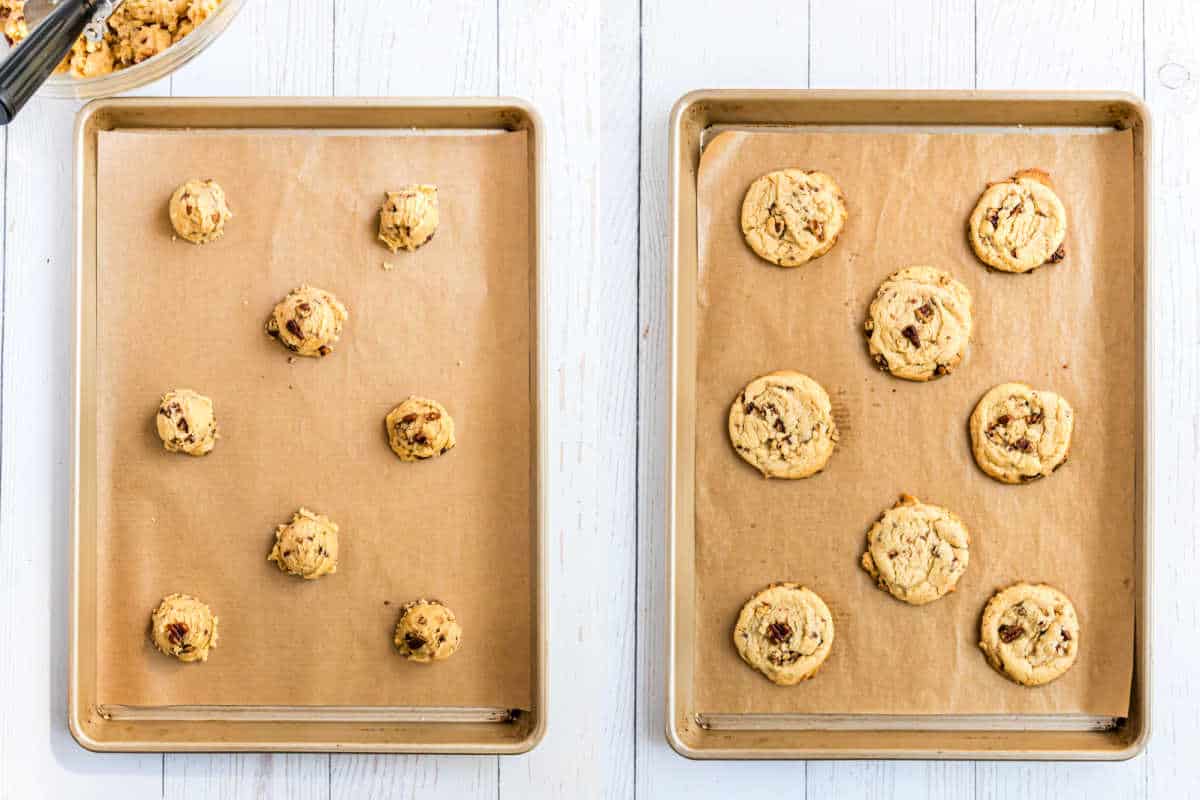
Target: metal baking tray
x,y
695,118
312,728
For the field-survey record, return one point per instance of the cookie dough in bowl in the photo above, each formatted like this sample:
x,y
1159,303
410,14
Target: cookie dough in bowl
x,y
782,424
919,323
1030,633
916,551
1019,434
1019,224
785,632
409,217
308,321
198,210
427,631
183,627
419,429
307,546
186,422
791,216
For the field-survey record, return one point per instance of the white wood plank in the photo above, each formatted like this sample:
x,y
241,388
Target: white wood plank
x,y
1172,88
913,45
1077,45
689,45
577,62
277,47
420,47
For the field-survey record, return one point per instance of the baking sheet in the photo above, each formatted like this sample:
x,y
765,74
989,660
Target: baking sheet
x,y
1071,327
452,321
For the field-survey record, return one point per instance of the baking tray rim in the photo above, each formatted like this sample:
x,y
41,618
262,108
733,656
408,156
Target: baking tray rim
x,y
467,113
1124,110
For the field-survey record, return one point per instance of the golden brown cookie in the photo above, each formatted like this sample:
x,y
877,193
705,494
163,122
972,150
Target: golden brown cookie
x,y
919,323
307,546
186,422
782,424
419,429
785,632
409,217
308,321
791,216
1030,633
1019,224
183,627
1019,434
198,211
427,631
916,551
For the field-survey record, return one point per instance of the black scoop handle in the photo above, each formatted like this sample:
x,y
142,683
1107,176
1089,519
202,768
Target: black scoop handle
x,y
32,61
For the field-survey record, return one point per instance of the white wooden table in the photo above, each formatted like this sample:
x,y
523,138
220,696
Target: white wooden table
x,y
604,75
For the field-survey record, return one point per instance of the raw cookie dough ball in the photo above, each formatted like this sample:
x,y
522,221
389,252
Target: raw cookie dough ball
x,y
409,217
785,632
1019,224
782,423
419,428
792,216
916,551
307,546
427,631
308,321
186,422
183,627
1030,633
919,323
198,211
1019,434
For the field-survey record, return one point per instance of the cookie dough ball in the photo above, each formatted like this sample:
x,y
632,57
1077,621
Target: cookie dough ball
x,y
183,627
1030,633
785,632
427,631
916,551
307,546
198,210
792,216
186,422
308,321
419,428
408,218
1019,224
919,323
782,424
1019,434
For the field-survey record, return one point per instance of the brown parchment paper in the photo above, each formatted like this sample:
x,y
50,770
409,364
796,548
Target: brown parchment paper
x,y
1070,327
450,321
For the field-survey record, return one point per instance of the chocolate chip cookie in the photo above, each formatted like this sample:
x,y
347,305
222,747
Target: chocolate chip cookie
x,y
1019,434
186,422
308,321
919,323
427,631
785,632
198,211
791,216
1030,633
916,551
183,627
1019,224
782,424
409,217
419,429
307,546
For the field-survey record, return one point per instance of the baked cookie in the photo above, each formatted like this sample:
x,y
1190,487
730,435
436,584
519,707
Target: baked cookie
x,y
419,428
183,627
791,216
408,218
307,546
198,210
1019,224
916,551
308,321
1019,434
782,423
1030,633
427,631
785,632
919,323
186,422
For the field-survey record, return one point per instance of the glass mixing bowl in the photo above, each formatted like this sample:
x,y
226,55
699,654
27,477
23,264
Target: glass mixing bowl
x,y
152,68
